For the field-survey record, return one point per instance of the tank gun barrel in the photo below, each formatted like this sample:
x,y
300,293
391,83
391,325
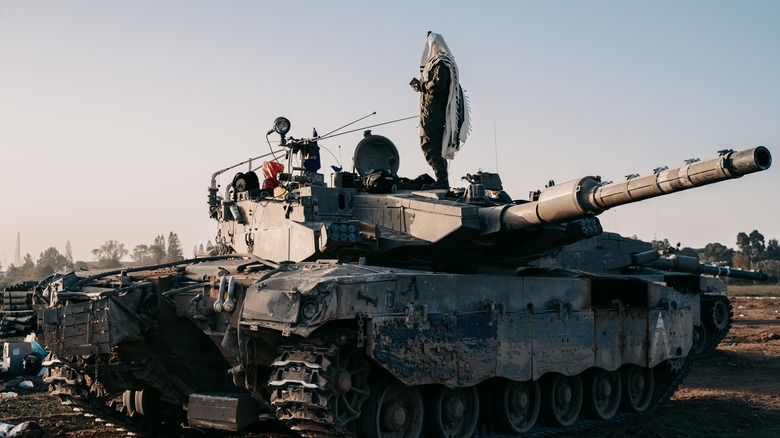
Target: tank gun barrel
x,y
588,196
680,263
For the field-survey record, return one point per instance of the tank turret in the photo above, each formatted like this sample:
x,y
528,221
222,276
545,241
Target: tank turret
x,y
457,231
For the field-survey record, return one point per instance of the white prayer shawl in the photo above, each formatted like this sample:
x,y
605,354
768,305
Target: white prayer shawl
x,y
455,131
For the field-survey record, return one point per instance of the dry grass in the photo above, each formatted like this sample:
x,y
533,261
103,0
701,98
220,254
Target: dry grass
x,y
764,290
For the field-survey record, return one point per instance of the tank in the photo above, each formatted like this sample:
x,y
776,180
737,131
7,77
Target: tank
x,y
615,255
368,307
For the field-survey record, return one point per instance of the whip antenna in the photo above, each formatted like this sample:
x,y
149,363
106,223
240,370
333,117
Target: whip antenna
x,y
371,126
350,123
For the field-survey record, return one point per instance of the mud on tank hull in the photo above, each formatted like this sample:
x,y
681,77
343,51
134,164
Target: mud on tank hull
x,y
332,348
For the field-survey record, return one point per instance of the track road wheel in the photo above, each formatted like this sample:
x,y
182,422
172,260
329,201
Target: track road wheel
x,y
393,410
516,405
699,339
128,401
451,413
638,385
602,390
561,399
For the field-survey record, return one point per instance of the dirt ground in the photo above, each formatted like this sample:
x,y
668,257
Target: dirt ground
x,y
735,392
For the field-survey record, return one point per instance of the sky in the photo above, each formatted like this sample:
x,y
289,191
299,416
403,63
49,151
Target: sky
x,y
114,114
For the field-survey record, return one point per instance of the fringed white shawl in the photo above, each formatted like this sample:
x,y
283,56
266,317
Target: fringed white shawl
x,y
457,115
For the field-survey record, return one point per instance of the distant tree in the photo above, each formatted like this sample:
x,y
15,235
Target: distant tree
x,y
142,255
26,271
158,250
198,250
109,254
174,252
28,266
209,246
772,250
771,268
751,249
757,245
69,252
688,251
51,261
716,252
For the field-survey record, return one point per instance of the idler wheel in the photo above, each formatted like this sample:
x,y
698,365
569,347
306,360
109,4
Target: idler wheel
x,y
516,405
349,383
451,413
638,385
561,399
393,410
602,390
719,315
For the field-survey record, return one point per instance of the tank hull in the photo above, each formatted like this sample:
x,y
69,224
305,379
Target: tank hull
x,y
285,341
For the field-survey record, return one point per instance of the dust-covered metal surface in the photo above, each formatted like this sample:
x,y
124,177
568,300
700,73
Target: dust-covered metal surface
x,y
355,309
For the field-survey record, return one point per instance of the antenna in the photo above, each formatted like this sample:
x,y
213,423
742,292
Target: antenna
x,y
323,137
350,123
17,255
495,144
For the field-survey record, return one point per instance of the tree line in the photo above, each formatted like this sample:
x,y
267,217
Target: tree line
x,y
107,256
754,252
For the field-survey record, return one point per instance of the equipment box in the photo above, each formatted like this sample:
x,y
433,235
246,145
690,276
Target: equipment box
x,y
222,410
14,354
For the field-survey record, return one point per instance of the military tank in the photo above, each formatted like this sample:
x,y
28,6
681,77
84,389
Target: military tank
x,y
613,254
368,307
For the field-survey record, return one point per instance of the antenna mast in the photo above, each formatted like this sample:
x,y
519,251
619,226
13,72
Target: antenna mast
x,y
17,255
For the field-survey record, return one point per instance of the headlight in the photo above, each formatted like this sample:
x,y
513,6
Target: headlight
x,y
281,126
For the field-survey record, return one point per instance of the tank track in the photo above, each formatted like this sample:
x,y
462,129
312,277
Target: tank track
x,y
73,388
300,390
300,384
666,384
716,329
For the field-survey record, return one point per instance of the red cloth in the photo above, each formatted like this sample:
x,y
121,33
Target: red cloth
x,y
271,171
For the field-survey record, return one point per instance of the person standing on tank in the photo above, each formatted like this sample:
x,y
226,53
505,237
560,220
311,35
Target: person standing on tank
x,y
444,121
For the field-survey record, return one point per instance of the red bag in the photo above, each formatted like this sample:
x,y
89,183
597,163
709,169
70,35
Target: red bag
x,y
271,171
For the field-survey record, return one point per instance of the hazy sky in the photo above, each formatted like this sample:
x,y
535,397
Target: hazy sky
x,y
114,114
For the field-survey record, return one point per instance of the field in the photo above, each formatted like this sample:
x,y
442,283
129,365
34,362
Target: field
x,y
763,290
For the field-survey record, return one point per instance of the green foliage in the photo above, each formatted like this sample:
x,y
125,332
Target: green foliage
x,y
141,255
51,261
770,268
69,252
17,274
157,249
109,254
174,252
157,253
717,253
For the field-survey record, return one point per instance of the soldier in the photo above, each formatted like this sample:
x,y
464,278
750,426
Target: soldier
x,y
443,109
